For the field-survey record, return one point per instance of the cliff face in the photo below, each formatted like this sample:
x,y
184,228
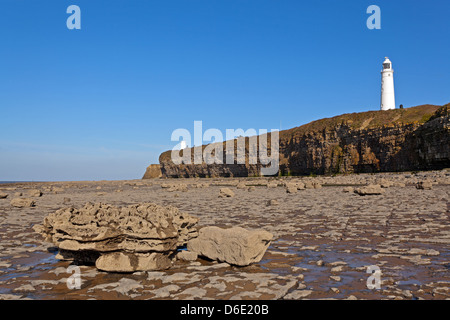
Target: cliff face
x,y
389,147
416,138
153,171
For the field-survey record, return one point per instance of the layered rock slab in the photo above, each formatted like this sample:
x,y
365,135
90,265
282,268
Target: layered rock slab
x,y
22,202
236,246
130,262
133,238
373,189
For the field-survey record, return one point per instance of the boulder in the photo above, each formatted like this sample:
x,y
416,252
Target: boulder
x,y
132,235
300,186
309,185
272,184
373,189
384,183
236,246
424,185
348,189
291,188
241,185
399,184
57,190
226,193
272,202
187,255
177,187
200,185
34,193
22,202
3,195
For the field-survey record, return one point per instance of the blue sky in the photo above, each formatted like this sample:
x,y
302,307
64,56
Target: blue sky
x,y
102,102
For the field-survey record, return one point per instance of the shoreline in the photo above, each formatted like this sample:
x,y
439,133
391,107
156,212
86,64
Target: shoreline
x,y
411,172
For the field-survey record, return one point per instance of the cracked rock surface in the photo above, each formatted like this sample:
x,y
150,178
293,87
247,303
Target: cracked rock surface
x,y
324,239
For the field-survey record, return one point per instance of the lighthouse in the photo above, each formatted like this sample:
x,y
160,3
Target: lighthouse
x,y
387,86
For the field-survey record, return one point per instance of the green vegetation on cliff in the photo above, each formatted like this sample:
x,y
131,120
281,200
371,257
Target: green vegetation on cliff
x,y
368,120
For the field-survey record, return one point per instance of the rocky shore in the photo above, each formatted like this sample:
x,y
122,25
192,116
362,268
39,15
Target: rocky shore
x,y
326,233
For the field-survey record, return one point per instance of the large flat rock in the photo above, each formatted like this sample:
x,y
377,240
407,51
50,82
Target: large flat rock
x,y
236,246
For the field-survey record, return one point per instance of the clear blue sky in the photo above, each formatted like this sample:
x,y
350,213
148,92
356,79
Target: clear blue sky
x,y
102,102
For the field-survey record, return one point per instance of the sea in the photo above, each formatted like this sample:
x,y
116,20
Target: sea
x,y
3,182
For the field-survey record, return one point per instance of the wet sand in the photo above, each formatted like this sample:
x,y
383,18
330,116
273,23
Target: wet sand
x,y
325,239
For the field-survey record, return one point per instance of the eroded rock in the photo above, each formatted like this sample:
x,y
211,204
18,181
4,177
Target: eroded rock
x,y
34,193
424,185
236,246
187,255
226,193
126,239
272,202
291,188
22,202
373,189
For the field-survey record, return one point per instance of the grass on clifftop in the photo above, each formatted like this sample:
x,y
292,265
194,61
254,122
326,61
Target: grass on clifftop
x,y
369,119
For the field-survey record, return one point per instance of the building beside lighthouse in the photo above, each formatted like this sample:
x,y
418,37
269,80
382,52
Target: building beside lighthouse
x,y
387,86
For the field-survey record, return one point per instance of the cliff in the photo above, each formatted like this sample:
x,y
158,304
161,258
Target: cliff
x,y
153,171
409,139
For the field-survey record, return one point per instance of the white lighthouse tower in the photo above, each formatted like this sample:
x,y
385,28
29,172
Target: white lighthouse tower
x,y
387,86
